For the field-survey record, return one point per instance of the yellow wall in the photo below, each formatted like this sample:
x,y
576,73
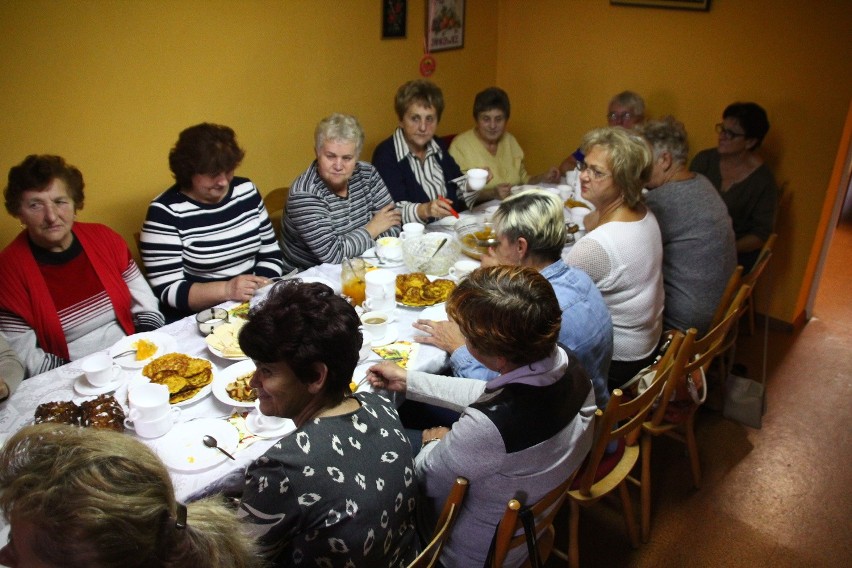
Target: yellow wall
x,y
563,59
109,84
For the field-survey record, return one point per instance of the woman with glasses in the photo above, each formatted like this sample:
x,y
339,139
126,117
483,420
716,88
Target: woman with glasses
x,y
421,175
623,251
747,186
208,238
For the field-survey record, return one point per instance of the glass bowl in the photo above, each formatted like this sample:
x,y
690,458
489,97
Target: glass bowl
x,y
418,253
472,234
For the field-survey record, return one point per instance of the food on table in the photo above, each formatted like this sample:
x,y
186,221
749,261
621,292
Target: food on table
x,y
224,339
183,375
101,412
416,290
473,235
240,389
240,311
144,349
571,203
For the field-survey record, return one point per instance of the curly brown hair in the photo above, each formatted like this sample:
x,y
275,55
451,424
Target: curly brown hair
x,y
204,149
37,172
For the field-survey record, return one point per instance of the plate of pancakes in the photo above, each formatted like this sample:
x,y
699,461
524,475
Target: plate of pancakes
x,y
189,379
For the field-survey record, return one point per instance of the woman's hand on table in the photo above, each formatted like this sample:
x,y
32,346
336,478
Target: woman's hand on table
x,y
444,335
388,376
385,218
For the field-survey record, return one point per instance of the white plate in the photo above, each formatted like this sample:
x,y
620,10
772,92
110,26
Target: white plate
x,y
182,448
85,388
370,256
390,336
444,222
437,312
229,375
252,426
360,372
165,344
218,353
199,395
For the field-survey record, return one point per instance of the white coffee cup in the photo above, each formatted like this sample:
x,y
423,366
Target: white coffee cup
x,y
462,268
153,428
411,230
266,423
380,304
376,323
476,178
149,401
389,249
100,369
380,289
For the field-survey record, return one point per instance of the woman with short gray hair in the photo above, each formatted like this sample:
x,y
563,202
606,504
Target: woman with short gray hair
x,y
340,205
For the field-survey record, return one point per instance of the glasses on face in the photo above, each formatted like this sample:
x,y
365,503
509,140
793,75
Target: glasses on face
x,y
727,132
595,173
619,117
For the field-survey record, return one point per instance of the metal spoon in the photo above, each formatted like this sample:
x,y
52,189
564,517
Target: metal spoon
x,y
431,256
210,442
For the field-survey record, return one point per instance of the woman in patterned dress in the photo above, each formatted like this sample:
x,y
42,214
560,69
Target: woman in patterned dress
x,y
340,490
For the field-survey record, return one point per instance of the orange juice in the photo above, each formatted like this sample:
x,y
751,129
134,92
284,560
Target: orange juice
x,y
352,280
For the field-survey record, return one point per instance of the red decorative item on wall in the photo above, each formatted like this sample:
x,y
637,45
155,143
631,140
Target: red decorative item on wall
x,y
427,65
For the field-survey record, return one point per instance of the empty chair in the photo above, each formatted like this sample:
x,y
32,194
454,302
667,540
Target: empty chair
x,y
452,506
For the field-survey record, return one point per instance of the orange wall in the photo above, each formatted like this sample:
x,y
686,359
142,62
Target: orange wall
x,y
563,59
109,84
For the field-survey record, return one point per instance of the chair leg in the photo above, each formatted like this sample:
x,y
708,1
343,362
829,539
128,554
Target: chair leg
x,y
692,447
646,487
574,536
629,520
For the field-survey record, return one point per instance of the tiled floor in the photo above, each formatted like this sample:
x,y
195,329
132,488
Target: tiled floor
x,y
780,496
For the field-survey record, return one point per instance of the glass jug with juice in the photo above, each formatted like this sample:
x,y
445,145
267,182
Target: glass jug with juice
x,y
352,280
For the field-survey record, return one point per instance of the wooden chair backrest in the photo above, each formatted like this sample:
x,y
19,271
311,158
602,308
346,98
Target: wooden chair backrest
x,y
623,418
731,289
274,201
694,353
452,506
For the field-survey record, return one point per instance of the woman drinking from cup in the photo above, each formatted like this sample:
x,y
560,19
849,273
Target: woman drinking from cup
x,y
340,205
67,289
623,251
489,146
423,178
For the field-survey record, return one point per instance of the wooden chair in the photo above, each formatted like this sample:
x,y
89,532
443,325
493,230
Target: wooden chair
x,y
753,275
452,506
693,354
510,532
621,421
725,355
274,201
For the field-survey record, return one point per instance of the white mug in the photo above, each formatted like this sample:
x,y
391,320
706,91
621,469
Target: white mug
x,y
376,323
149,401
266,423
389,249
462,268
476,178
100,369
411,230
152,428
380,284
379,303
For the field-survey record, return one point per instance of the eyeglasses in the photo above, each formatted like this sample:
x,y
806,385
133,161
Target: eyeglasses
x,y
619,117
593,171
727,132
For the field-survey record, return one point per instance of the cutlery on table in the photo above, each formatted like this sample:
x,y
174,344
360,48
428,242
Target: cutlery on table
x,y
211,442
124,354
431,256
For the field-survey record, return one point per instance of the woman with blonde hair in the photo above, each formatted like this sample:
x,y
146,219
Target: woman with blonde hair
x,y
87,498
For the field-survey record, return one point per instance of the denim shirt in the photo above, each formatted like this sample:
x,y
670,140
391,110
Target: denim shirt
x,y
586,329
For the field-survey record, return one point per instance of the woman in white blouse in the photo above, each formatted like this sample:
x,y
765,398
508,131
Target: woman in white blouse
x,y
623,250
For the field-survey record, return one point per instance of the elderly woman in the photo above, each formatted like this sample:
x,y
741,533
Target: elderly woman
x,y
623,250
66,289
11,369
208,238
87,498
744,181
530,228
487,145
339,490
521,433
626,109
418,170
698,241
340,205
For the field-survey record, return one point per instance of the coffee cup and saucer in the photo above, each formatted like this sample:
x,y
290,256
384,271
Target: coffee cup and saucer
x,y
151,415
378,325
100,375
264,426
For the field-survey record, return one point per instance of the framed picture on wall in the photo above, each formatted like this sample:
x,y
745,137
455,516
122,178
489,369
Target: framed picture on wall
x,y
702,5
445,25
394,16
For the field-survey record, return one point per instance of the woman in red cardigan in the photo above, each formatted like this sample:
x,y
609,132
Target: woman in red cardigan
x,y
66,289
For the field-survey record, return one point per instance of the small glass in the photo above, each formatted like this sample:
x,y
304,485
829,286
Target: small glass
x,y
352,280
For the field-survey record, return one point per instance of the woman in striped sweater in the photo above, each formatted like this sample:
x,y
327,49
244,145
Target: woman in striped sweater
x,y
207,239
340,205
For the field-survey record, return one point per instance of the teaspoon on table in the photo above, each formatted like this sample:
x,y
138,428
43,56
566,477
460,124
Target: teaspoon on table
x,y
210,442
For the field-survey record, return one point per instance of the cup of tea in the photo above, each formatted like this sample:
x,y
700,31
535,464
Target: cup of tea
x,y
389,249
376,323
462,268
152,428
411,230
100,369
476,178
